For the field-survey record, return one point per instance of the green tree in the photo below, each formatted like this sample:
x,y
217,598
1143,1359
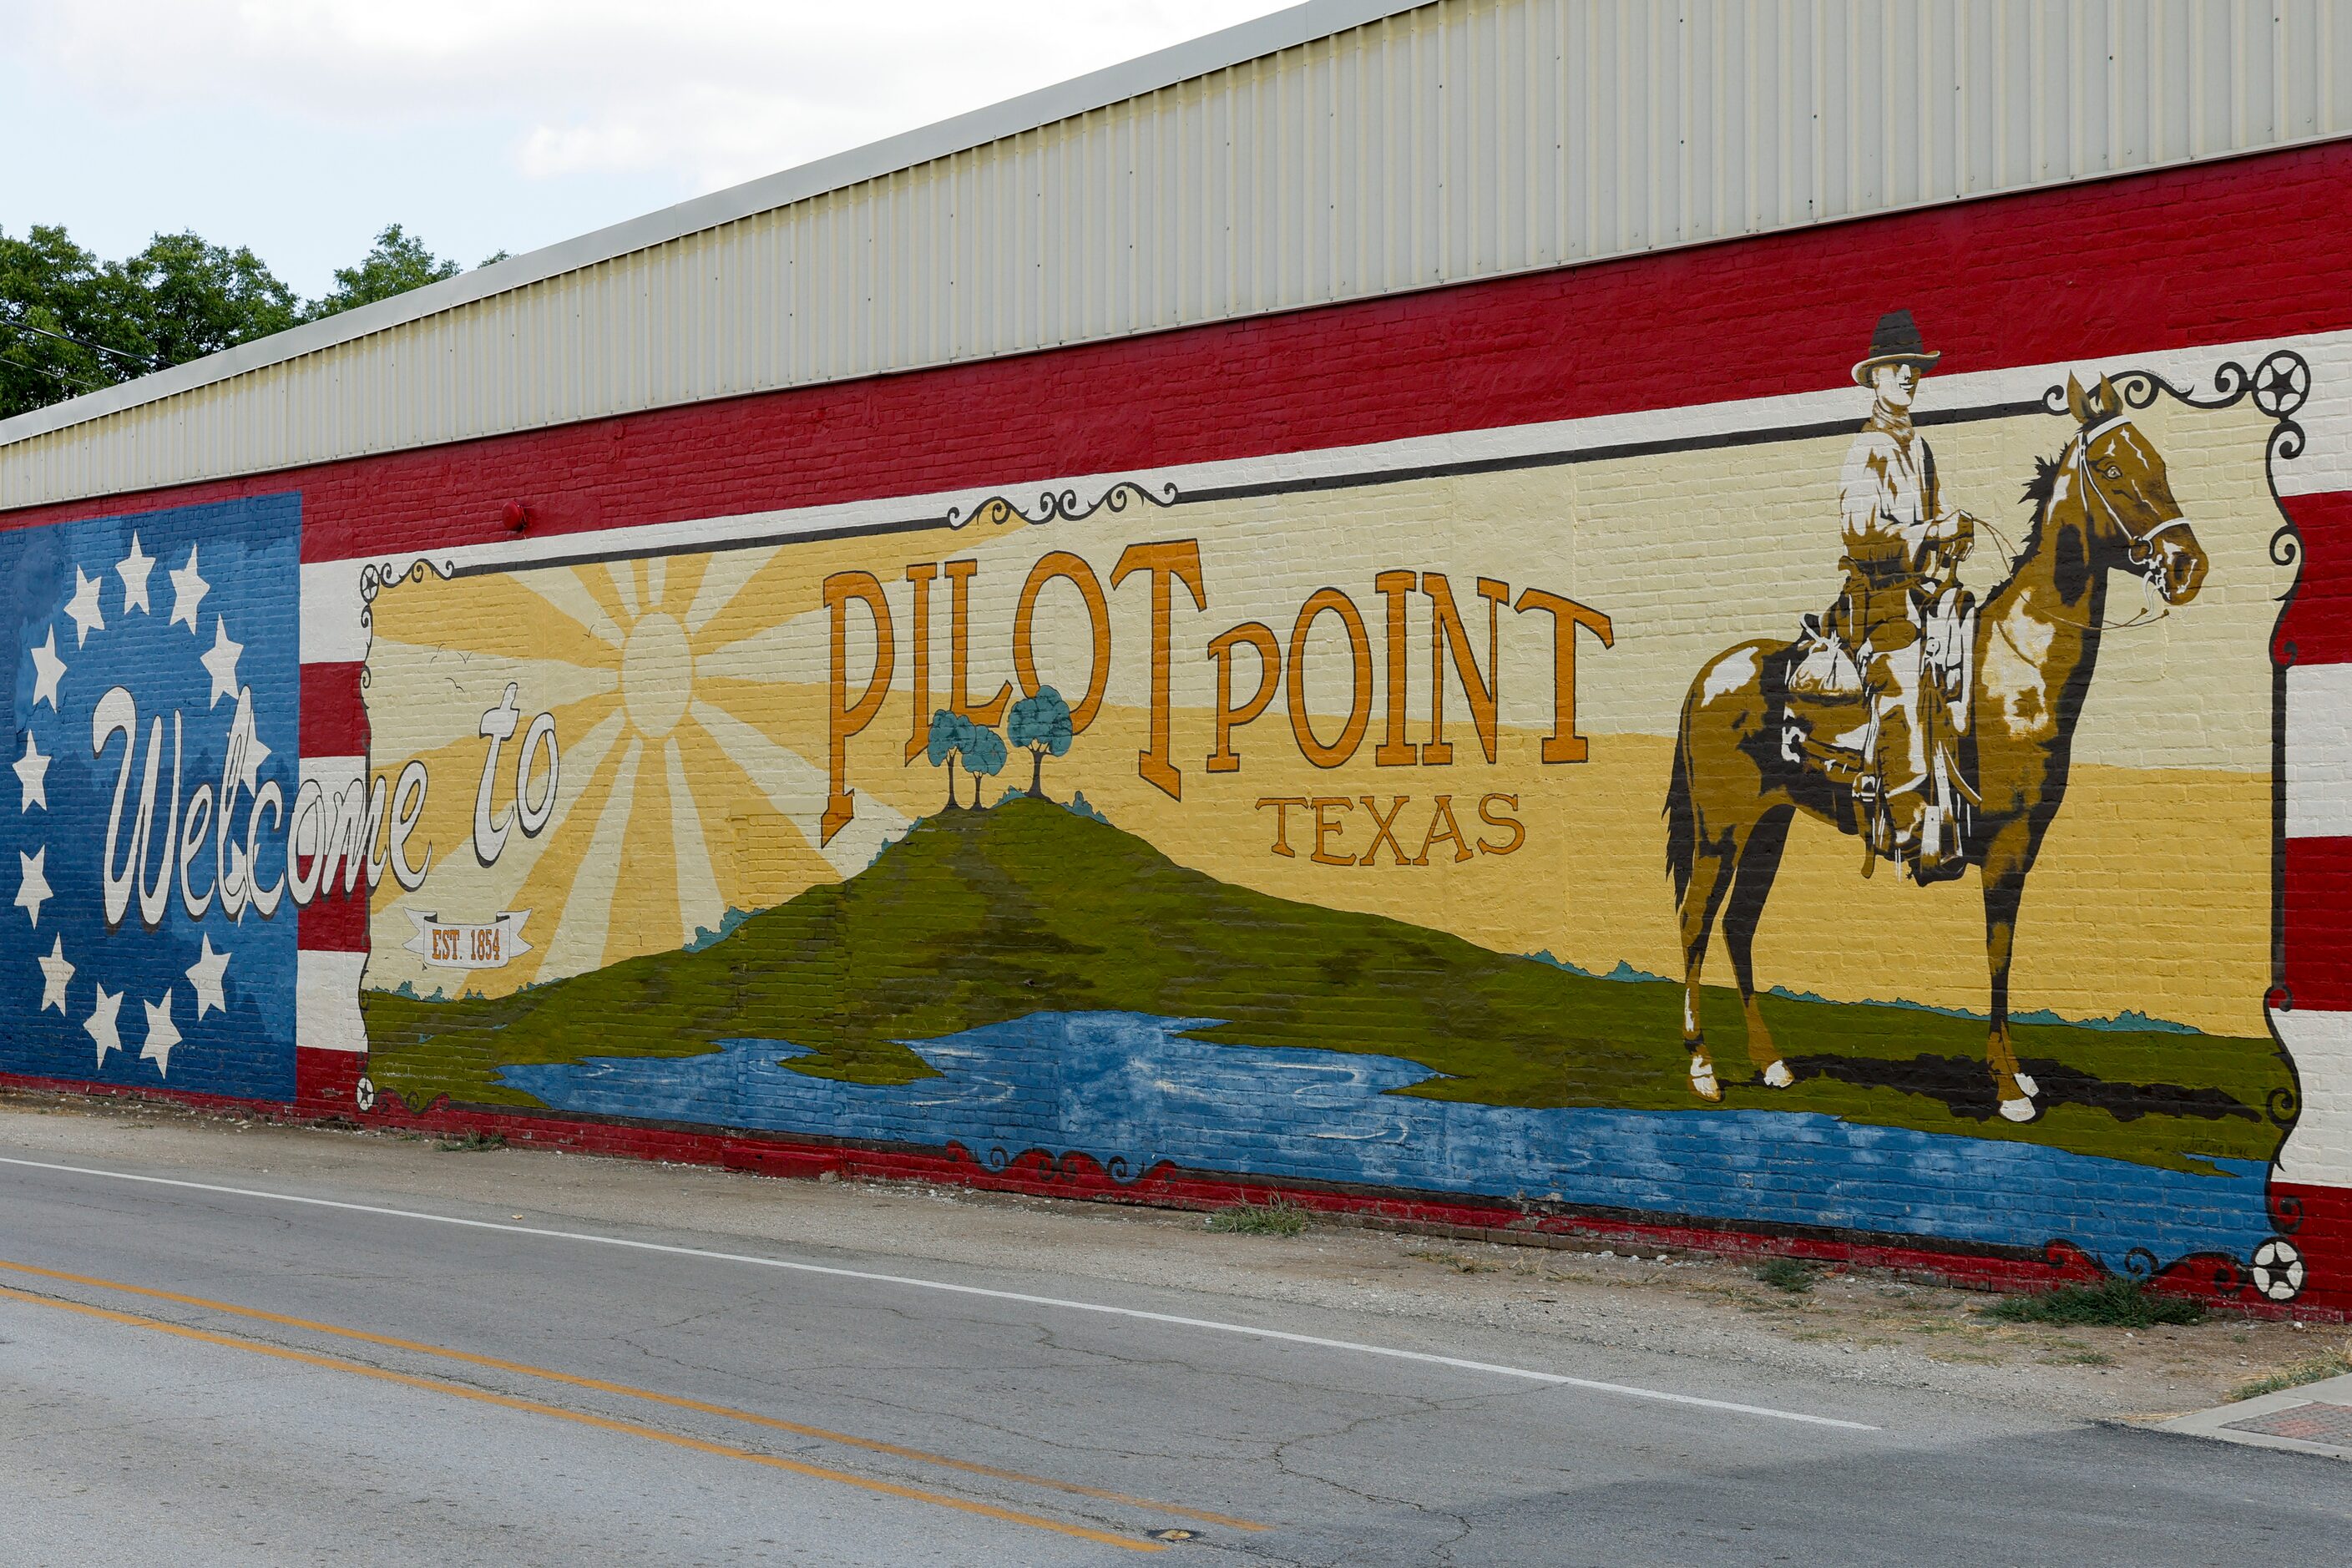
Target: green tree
x,y
951,734
983,757
398,263
1040,722
70,323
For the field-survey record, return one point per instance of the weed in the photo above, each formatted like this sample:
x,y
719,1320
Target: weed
x,y
2312,1368
1786,1274
2083,1358
2113,1302
1280,1217
472,1143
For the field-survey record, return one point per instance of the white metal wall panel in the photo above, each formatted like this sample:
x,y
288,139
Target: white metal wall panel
x,y
1465,139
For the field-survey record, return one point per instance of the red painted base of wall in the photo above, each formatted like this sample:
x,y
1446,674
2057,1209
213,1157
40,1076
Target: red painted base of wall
x,y
329,1080
2318,1222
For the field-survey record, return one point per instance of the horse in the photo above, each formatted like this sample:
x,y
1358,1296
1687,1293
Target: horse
x,y
2104,503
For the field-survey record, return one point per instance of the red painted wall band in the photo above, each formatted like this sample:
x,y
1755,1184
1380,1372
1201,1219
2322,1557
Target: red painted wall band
x,y
2211,253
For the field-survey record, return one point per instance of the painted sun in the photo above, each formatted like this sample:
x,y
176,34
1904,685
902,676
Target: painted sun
x,y
687,788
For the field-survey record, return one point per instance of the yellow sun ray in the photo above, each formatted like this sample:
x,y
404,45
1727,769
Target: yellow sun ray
x,y
765,858
623,575
584,909
723,577
505,616
698,904
454,770
644,900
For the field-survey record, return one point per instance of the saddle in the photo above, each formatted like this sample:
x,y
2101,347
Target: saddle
x,y
1832,714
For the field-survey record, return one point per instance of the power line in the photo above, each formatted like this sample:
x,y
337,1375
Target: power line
x,y
52,370
94,348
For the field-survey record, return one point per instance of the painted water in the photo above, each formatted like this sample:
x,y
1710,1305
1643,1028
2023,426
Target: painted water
x,y
1132,1090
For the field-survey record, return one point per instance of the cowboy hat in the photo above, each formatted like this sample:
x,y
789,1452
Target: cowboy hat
x,y
1896,341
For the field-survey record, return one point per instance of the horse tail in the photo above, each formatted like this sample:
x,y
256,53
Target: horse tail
x,y
1682,816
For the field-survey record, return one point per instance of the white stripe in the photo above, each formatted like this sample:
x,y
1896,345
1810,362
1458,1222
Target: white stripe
x,y
333,632
327,1000
1212,1325
2319,750
2318,1147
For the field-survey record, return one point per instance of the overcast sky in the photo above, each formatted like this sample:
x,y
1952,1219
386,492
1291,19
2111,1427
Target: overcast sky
x,y
301,127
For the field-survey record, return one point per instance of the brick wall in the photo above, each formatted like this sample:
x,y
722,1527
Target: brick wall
x,y
1294,445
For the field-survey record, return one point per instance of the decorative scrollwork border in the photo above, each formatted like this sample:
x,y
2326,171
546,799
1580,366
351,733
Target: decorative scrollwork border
x,y
2278,386
1063,505
375,576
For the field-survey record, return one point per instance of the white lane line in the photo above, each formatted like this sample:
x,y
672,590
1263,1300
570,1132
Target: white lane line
x,y
1210,1325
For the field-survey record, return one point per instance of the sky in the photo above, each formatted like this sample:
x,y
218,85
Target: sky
x,y
301,127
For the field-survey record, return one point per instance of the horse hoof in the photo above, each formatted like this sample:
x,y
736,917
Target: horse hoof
x,y
1777,1075
2026,1086
1702,1083
2020,1110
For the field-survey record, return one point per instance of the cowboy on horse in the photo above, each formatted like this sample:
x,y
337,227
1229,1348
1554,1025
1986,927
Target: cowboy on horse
x,y
1895,631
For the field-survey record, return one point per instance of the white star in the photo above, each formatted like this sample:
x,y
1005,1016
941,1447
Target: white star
x,y
33,773
46,667
100,1023
187,591
134,568
204,974
221,662
255,754
55,973
82,608
34,890
160,1036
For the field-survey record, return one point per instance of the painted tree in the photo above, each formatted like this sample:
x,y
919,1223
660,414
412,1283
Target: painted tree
x,y
984,756
951,735
1041,722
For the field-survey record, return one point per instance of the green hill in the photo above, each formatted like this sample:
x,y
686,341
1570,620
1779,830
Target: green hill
x,y
977,917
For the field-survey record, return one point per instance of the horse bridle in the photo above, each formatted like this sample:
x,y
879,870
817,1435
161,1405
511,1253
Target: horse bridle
x,y
2140,547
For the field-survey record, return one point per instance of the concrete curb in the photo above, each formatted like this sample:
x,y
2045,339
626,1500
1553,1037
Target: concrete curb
x,y
2227,1423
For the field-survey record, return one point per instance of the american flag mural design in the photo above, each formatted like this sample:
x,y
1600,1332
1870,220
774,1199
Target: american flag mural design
x,y
151,939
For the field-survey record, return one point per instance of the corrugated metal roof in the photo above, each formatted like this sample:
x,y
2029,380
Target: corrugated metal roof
x,y
1337,150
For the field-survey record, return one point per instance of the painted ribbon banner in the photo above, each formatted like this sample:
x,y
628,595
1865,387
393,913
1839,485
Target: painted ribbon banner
x,y
444,945
1360,831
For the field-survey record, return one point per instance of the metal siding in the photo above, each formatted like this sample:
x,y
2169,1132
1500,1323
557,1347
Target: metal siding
x,y
1467,139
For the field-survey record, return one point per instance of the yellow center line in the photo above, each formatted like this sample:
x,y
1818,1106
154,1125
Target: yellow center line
x,y
581,1417
678,1401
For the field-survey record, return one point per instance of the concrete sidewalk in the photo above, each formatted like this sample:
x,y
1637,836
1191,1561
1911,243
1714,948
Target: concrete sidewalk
x,y
2316,1418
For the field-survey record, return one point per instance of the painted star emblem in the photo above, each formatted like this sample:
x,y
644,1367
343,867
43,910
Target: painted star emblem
x,y
83,609
100,1023
33,891
55,973
254,752
33,773
134,568
160,1036
221,662
47,669
205,975
188,591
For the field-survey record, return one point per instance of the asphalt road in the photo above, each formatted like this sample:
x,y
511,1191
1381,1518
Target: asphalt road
x,y
194,1375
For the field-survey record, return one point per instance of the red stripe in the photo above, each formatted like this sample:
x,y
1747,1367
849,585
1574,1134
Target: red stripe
x,y
2217,253
2318,933
2317,628
326,1081
334,711
336,921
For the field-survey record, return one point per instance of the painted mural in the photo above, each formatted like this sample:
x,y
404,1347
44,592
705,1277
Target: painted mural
x,y
1395,825
155,703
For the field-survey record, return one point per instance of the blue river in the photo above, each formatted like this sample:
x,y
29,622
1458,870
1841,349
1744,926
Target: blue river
x,y
1132,1090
